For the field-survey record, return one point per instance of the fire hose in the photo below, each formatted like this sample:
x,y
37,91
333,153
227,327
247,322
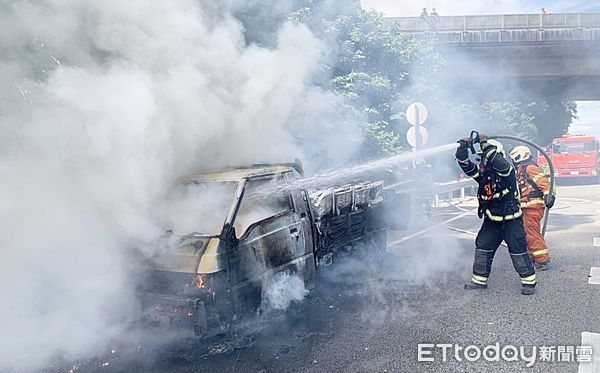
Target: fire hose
x,y
474,138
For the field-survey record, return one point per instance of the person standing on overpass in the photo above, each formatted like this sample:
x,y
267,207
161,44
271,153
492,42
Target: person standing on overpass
x,y
535,198
498,197
435,18
425,17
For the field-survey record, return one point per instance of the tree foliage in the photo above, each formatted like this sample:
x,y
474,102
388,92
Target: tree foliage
x,y
379,71
551,119
498,117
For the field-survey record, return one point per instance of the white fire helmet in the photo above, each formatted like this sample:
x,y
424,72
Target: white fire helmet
x,y
498,145
520,153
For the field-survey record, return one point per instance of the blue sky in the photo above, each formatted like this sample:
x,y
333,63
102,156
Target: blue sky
x,y
589,112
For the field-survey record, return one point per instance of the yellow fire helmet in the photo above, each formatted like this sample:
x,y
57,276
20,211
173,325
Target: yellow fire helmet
x,y
520,153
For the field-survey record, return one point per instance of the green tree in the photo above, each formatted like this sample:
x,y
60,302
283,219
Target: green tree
x,y
371,64
499,117
378,70
552,119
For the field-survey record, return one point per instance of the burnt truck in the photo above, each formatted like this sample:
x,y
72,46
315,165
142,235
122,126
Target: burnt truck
x,y
246,226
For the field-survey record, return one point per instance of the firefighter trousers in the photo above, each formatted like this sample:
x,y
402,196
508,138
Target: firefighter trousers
x,y
536,244
489,238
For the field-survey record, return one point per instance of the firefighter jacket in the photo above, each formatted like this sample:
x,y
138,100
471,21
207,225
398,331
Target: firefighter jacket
x,y
533,184
498,194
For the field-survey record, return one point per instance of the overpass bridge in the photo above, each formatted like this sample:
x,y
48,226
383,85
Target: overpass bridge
x,y
515,56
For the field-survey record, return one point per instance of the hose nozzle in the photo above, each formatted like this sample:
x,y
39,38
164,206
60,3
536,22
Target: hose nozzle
x,y
473,139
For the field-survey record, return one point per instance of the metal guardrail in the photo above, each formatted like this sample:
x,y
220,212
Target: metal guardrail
x,y
497,22
440,191
452,186
448,189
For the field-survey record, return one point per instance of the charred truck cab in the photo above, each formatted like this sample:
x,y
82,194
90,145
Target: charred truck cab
x,y
208,281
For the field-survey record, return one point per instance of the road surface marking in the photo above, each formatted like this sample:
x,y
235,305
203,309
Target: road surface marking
x,y
474,234
594,277
422,231
596,241
590,339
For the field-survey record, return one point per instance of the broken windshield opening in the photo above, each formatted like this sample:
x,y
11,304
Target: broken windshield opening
x,y
262,199
201,206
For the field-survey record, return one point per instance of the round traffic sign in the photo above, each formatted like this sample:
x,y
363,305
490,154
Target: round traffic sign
x,y
411,136
415,110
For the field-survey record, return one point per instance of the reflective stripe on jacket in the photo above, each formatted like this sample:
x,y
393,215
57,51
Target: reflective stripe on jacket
x,y
498,193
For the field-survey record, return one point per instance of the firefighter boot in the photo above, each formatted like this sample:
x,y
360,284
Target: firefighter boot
x,y
474,286
541,266
527,290
477,281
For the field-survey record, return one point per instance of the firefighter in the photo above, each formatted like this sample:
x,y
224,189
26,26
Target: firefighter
x,y
535,197
498,197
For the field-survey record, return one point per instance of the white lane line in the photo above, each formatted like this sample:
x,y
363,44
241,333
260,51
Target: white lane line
x,y
596,241
422,231
474,234
590,339
594,277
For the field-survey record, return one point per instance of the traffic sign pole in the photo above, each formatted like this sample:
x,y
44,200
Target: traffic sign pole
x,y
416,114
417,129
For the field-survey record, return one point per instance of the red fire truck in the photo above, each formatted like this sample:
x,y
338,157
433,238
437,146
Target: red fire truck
x,y
574,156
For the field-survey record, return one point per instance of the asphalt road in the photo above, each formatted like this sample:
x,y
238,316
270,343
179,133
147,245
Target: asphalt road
x,y
370,314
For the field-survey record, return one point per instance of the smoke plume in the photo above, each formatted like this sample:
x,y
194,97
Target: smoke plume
x,y
283,289
104,104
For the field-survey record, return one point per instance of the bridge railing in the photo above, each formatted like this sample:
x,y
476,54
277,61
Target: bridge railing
x,y
445,191
498,22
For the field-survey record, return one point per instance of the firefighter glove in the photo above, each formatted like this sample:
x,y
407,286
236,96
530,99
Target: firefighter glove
x,y
462,153
549,200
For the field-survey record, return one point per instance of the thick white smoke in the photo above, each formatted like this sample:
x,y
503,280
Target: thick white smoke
x,y
103,104
283,289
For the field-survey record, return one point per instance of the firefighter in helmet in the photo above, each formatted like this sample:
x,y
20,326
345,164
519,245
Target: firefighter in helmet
x,y
535,197
498,197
